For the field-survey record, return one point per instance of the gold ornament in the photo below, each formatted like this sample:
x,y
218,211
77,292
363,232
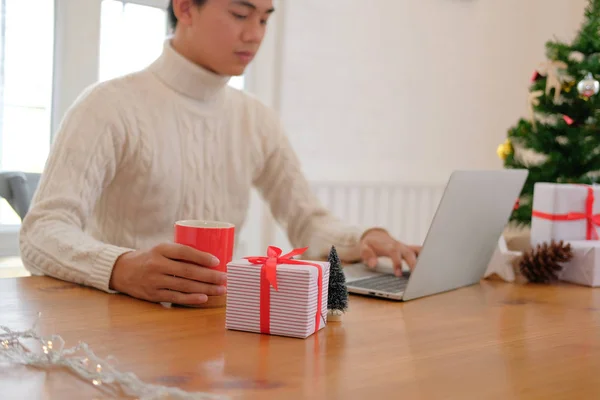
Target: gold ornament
x,y
568,86
550,70
504,150
534,100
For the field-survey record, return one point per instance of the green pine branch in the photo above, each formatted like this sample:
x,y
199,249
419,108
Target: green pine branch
x,y
587,40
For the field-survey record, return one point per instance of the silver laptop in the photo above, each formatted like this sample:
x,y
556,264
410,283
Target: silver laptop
x,y
471,216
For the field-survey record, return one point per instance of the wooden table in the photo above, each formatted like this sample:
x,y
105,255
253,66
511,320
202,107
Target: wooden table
x,y
488,341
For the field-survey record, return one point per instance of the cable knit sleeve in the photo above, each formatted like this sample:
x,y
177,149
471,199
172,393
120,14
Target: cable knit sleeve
x,y
82,162
292,203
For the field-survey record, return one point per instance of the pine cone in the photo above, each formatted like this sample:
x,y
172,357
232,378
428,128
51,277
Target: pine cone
x,y
542,264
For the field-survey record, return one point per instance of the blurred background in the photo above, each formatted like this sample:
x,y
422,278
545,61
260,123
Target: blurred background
x,y
382,100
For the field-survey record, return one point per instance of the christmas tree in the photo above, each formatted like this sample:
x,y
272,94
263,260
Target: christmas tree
x,y
337,298
560,140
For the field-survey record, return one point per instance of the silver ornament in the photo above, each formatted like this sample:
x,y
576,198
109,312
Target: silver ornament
x,y
588,86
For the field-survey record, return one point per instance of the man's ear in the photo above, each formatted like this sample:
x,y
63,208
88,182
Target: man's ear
x,y
183,11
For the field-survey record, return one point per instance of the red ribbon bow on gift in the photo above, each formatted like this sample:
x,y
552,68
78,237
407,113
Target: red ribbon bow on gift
x,y
268,278
274,258
592,220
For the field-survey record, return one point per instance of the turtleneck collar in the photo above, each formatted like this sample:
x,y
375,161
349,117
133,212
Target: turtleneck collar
x,y
186,77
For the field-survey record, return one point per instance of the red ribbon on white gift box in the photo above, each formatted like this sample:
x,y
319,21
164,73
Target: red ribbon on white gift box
x,y
588,215
268,278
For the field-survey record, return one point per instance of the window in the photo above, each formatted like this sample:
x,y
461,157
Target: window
x,y
26,68
45,68
131,37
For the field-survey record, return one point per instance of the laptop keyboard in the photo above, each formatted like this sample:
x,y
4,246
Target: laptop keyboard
x,y
384,283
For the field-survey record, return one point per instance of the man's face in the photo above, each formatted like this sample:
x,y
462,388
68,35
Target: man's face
x,y
223,35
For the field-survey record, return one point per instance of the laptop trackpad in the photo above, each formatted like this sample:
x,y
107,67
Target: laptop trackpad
x,y
360,271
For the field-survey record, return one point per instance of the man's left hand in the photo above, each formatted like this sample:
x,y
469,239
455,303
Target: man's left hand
x,y
379,243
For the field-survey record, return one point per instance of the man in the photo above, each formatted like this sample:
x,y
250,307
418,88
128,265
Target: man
x,y
172,142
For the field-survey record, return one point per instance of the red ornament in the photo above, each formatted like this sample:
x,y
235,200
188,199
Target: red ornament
x,y
535,76
568,120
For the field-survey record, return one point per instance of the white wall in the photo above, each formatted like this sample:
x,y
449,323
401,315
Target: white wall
x,y
408,90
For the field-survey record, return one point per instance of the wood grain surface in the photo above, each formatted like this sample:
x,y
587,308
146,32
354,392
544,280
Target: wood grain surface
x,y
489,341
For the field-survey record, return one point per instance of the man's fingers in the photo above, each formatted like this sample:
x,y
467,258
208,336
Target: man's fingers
x,y
409,256
396,256
170,296
189,286
368,255
193,272
188,254
416,249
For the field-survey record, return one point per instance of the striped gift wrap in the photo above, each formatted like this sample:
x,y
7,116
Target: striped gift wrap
x,y
291,309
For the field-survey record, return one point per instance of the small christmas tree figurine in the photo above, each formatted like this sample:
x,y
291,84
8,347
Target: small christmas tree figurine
x,y
337,298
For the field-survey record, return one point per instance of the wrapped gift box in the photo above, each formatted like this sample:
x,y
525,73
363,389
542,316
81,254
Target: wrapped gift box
x,y
584,267
277,295
565,212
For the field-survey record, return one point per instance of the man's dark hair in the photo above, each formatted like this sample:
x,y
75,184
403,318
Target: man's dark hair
x,y
171,13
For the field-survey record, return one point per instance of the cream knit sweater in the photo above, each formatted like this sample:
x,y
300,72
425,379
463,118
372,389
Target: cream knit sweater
x,y
171,142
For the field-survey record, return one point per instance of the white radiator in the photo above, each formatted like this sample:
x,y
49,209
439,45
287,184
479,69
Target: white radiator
x,y
406,210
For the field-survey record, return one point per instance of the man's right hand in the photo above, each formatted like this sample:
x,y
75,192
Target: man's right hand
x,y
169,272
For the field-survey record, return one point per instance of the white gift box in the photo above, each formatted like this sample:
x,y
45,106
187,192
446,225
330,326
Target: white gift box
x,y
290,311
564,212
584,267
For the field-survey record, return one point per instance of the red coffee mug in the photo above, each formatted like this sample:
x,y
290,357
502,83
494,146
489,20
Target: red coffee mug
x,y
213,237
